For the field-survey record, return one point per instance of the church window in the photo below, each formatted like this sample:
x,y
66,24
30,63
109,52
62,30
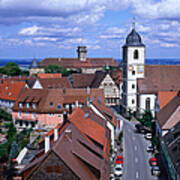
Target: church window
x,y
148,101
133,101
133,86
136,54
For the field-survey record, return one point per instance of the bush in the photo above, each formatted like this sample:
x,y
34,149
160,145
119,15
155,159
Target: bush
x,y
5,115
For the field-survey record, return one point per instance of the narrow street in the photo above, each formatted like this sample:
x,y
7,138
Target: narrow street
x,y
136,158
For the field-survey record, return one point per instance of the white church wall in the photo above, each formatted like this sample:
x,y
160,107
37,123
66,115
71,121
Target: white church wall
x,y
142,103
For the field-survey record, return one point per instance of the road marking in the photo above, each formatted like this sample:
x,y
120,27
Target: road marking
x,y
135,148
137,175
133,138
136,160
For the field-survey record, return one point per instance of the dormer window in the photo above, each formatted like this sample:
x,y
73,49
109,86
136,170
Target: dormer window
x,y
51,103
59,106
20,104
27,105
34,106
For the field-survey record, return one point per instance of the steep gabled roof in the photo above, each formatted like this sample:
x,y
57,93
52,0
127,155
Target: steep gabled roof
x,y
10,89
160,78
81,156
88,126
80,80
166,112
166,96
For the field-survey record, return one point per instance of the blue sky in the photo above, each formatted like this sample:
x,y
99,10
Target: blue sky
x,y
54,28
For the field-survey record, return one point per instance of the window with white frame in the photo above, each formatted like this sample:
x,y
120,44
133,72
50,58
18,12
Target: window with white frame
x,y
27,105
34,115
19,114
20,104
34,106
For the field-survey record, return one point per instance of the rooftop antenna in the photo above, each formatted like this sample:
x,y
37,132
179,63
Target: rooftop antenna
x,y
134,23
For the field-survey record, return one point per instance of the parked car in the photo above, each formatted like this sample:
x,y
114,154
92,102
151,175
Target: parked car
x,y
119,160
118,171
148,136
153,161
155,171
111,177
150,148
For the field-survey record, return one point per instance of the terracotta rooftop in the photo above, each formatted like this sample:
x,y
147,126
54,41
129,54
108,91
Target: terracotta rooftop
x,y
88,126
82,157
165,97
10,89
160,78
106,111
80,80
169,115
48,100
49,75
76,63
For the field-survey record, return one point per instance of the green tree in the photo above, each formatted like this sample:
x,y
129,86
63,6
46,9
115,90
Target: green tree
x,y
14,150
54,68
146,118
5,115
11,130
10,69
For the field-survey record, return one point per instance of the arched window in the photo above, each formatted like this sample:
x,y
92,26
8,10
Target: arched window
x,y
148,102
136,54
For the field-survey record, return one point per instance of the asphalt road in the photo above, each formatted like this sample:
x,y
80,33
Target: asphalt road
x,y
136,165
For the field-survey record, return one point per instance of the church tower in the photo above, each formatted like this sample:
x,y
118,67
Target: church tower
x,y
133,68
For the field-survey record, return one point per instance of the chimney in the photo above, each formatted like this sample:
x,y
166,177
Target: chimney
x,y
81,50
55,134
77,104
47,144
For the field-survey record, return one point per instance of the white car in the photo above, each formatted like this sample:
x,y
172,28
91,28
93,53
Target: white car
x,y
155,171
118,171
150,148
148,136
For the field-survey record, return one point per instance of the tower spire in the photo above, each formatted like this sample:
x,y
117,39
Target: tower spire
x,y
134,23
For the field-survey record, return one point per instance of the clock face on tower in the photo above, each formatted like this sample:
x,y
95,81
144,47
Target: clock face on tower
x,y
130,68
140,69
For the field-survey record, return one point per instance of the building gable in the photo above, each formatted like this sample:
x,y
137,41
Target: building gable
x,y
37,85
53,168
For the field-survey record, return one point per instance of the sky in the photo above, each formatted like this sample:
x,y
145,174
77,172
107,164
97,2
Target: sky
x,y
54,28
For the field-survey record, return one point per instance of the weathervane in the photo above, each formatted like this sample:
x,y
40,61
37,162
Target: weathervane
x,y
134,23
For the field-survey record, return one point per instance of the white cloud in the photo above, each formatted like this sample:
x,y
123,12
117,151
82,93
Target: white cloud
x,y
29,31
169,45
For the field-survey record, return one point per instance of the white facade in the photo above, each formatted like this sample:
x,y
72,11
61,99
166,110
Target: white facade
x,y
143,102
111,91
133,68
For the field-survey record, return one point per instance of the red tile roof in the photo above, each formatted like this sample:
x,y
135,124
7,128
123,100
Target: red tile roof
x,y
82,80
10,89
160,78
166,112
165,97
45,97
76,63
49,75
55,83
88,126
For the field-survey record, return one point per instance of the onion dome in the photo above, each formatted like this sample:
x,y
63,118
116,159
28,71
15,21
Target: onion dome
x,y
133,39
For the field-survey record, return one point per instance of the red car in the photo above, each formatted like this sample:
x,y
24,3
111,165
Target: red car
x,y
119,160
153,161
